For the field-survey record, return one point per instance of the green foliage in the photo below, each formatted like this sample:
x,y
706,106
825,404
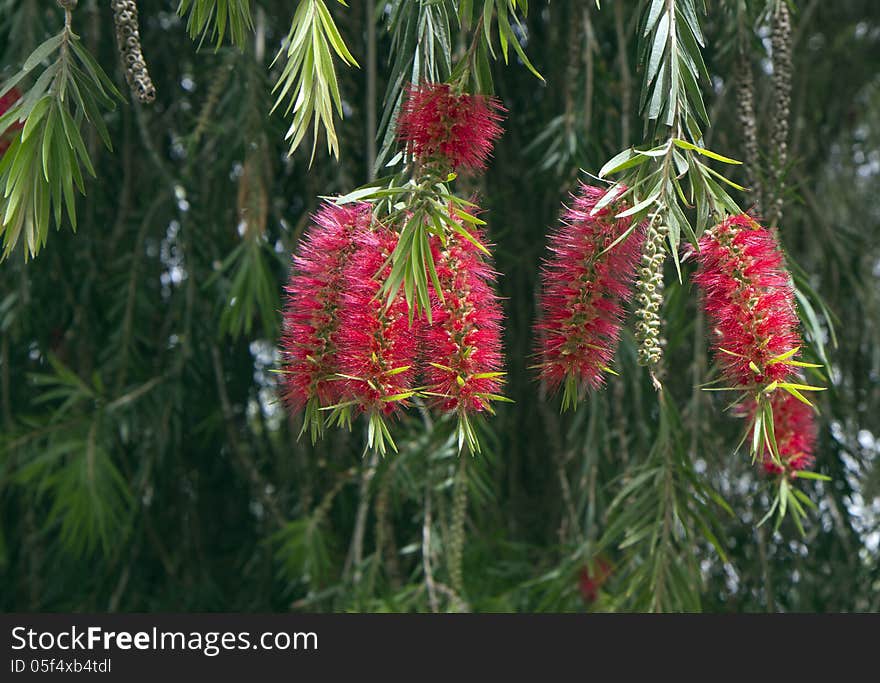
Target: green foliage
x,y
72,88
214,18
660,513
22,25
308,78
252,293
68,463
673,66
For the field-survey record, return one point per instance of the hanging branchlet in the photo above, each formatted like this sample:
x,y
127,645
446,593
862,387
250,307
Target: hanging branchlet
x,y
308,78
128,40
456,527
216,90
781,43
649,297
745,90
476,63
71,88
419,35
671,174
253,191
575,48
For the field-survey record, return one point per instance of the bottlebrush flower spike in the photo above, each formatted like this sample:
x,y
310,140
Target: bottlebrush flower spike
x,y
456,130
462,344
309,344
794,426
592,577
378,347
6,103
749,298
789,454
584,288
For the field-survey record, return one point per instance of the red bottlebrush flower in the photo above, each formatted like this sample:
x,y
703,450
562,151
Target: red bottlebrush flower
x,y
794,427
311,317
6,103
583,293
463,341
749,298
458,130
590,582
378,347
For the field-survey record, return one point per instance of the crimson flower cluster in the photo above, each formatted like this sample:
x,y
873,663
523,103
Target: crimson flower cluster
x,y
314,296
349,348
378,347
346,347
749,299
456,130
589,582
463,341
6,102
586,282
794,425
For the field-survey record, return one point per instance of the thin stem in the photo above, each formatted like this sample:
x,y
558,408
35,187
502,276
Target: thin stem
x,y
371,89
259,484
625,75
356,552
426,549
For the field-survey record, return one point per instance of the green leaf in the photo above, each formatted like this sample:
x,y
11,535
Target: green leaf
x,y
41,53
642,205
628,158
658,48
803,474
684,144
653,14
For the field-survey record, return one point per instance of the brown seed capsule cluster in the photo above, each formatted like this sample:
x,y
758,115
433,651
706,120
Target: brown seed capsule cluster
x,y
125,17
649,296
781,43
745,88
68,5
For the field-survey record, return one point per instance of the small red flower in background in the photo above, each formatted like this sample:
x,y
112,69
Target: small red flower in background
x,y
590,582
794,426
377,347
314,295
6,103
584,291
463,341
749,298
458,130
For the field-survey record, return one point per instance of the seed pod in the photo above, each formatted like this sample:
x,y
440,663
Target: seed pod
x,y
125,18
781,43
649,288
745,86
